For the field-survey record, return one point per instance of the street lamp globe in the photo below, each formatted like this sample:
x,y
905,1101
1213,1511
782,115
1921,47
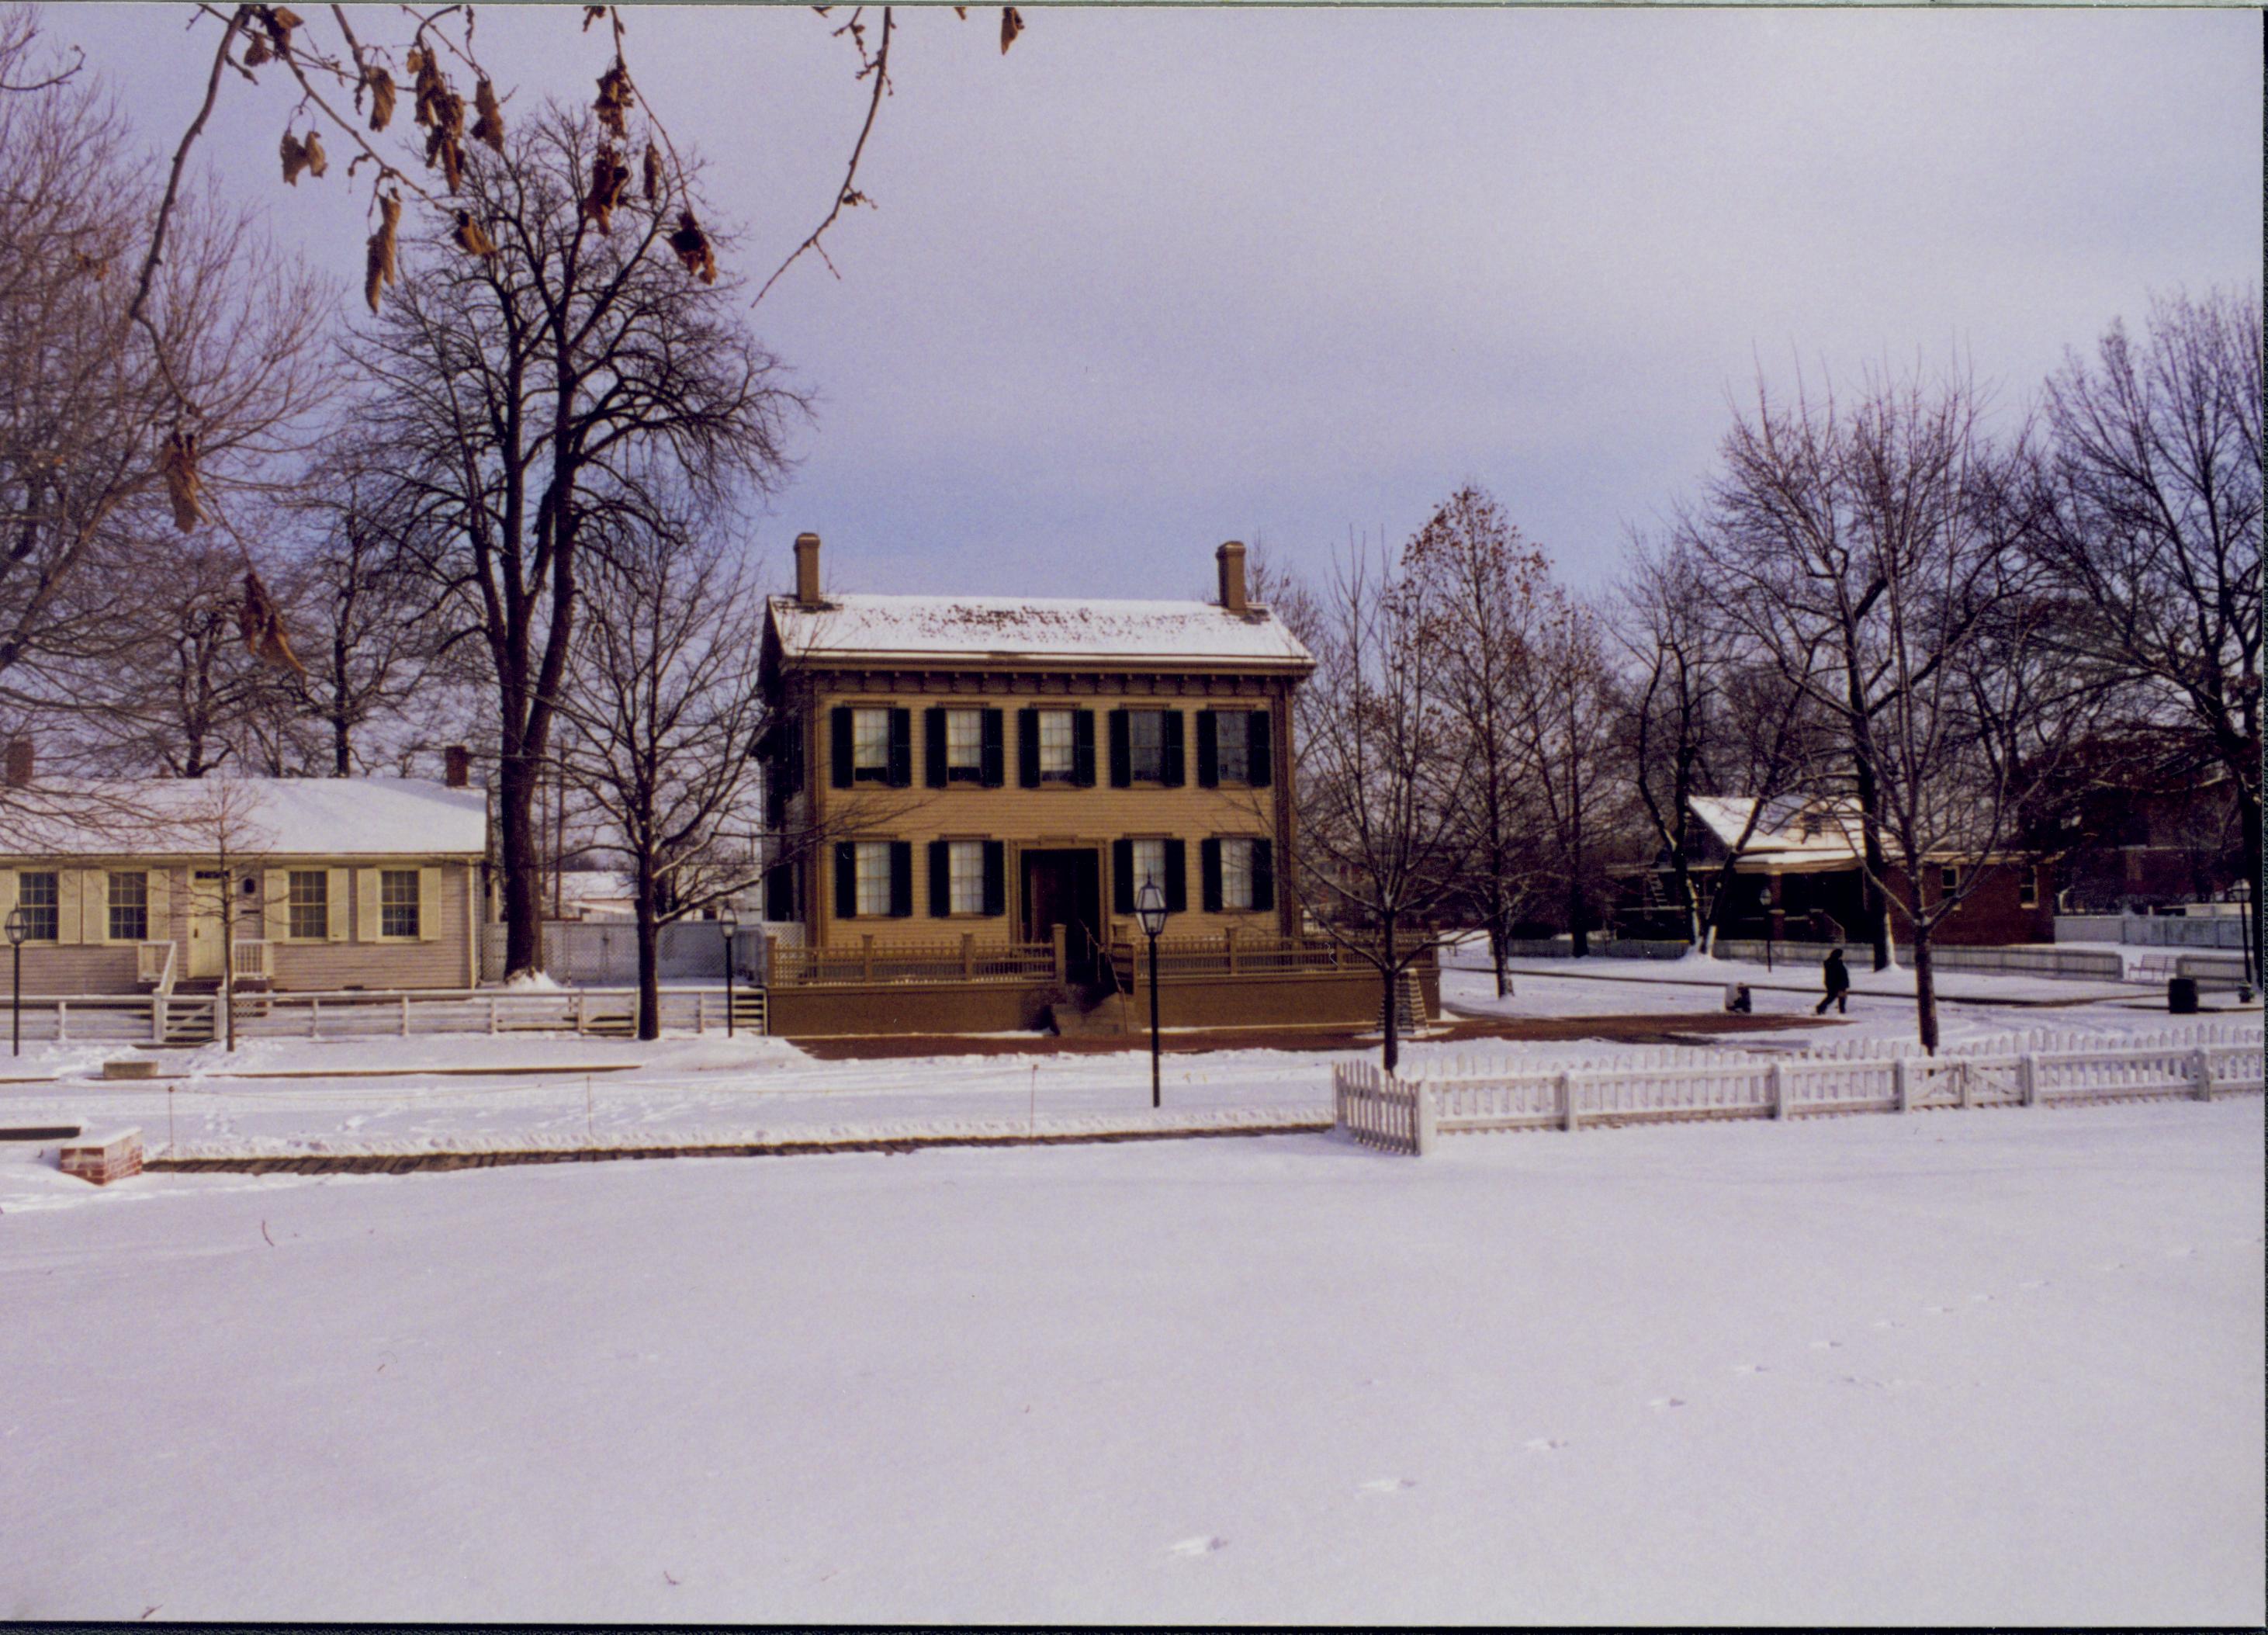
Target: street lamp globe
x,y
17,928
1150,909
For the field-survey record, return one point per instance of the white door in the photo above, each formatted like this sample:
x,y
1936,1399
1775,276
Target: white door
x,y
207,943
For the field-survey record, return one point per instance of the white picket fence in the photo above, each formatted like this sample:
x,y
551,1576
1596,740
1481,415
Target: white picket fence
x,y
2038,1069
105,1018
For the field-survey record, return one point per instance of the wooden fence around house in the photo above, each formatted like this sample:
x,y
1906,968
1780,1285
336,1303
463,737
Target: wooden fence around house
x,y
869,960
1407,1114
407,1013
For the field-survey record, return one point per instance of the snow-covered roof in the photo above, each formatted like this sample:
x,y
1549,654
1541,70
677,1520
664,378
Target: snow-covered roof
x,y
1794,833
1032,630
332,817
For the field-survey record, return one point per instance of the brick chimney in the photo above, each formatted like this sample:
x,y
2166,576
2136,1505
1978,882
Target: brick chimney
x,y
806,569
20,763
1231,557
456,766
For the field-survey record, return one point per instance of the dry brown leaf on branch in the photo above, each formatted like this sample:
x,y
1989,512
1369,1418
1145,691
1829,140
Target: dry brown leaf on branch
x,y
591,14
489,126
614,100
652,172
694,249
318,161
471,238
960,11
295,158
377,262
380,83
177,461
1012,23
262,626
442,148
609,177
280,22
95,267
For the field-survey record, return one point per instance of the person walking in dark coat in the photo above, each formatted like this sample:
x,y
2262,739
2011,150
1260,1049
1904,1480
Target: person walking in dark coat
x,y
1838,985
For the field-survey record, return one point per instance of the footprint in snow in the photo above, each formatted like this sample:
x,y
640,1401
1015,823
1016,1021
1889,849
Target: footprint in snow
x,y
1886,1322
2033,1283
2112,1265
1390,1485
1543,1445
1203,1545
1662,1405
1828,1346
1976,1300
1937,1311
1750,1368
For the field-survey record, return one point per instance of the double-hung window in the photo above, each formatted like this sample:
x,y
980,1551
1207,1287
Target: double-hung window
x,y
1233,746
1145,745
873,866
397,903
870,746
1058,746
307,905
965,876
964,745
1149,864
37,893
129,907
1235,873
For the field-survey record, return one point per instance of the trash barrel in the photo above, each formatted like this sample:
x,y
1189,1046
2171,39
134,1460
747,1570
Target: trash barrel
x,y
1736,999
2181,996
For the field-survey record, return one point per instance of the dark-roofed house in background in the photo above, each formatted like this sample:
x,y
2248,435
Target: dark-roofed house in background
x,y
973,790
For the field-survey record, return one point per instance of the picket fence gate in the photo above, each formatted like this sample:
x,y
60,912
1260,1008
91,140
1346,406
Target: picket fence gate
x,y
2044,1067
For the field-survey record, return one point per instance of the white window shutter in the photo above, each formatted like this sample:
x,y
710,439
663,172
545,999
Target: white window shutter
x,y
161,920
94,906
276,904
70,887
336,884
429,904
370,921
7,892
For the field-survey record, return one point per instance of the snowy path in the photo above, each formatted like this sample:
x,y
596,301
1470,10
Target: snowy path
x,y
1998,1367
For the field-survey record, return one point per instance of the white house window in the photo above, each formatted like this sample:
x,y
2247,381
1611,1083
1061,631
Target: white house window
x,y
397,903
1055,744
964,745
965,876
1145,746
38,895
129,907
308,905
1233,746
1149,864
874,860
870,744
1236,874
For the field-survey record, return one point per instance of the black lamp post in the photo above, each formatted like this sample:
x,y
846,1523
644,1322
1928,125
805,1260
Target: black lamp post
x,y
728,922
16,993
1150,909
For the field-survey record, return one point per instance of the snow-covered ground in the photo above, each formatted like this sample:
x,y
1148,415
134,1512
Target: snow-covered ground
x,y
1994,1367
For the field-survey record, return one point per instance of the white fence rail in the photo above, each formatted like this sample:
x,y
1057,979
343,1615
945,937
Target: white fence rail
x,y
1407,1114
141,1019
604,952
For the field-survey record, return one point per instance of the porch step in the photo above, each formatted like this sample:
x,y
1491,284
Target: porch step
x,y
612,1025
751,1010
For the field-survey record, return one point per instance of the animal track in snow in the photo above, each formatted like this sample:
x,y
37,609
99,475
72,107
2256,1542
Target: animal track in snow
x,y
1662,1405
1750,1368
1390,1485
1827,1345
1543,1445
1204,1544
1938,1311
1888,1322
2112,1265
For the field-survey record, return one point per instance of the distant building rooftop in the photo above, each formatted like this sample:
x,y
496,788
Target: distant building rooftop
x,y
1030,630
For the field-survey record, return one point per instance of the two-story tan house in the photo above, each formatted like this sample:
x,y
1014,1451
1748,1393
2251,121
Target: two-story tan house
x,y
1001,776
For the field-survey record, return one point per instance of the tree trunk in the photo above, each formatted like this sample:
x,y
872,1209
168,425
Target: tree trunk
x,y
1392,1052
1874,910
1579,931
523,887
649,957
1925,991
1498,955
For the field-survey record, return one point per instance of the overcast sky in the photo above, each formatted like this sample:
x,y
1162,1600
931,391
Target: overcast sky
x,y
1163,277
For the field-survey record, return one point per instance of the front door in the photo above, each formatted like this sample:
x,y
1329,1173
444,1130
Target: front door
x,y
208,942
1066,888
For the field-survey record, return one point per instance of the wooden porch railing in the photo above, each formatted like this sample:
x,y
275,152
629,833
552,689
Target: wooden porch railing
x,y
154,964
869,960
1227,954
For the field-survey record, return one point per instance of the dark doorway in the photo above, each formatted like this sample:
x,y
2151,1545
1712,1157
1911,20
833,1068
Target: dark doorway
x,y
1066,888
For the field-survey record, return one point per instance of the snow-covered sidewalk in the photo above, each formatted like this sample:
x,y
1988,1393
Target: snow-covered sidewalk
x,y
1996,1368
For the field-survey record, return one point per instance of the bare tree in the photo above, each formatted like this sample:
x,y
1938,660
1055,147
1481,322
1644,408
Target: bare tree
x,y
2155,538
1487,590
664,711
1563,722
528,402
1382,832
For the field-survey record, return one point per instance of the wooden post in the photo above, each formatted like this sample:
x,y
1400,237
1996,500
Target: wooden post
x,y
1566,1101
1421,1115
1228,946
1898,1086
405,1016
1961,1083
866,956
2027,1089
315,1017
1776,1081
63,1021
156,1017
2201,1063
967,954
700,1011
1056,934
492,1014
579,1012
